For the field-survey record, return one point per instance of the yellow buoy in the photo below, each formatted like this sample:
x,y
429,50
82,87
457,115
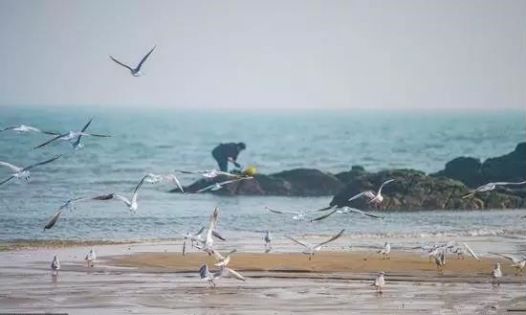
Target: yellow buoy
x,y
250,171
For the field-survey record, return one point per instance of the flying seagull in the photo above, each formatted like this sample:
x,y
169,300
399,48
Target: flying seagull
x,y
222,261
197,238
23,172
222,272
70,135
518,262
209,173
346,210
310,249
153,179
136,72
27,129
217,186
373,198
490,187
69,204
132,204
209,240
296,215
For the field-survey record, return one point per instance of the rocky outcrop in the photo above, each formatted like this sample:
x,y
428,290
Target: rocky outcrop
x,y
297,182
414,190
510,168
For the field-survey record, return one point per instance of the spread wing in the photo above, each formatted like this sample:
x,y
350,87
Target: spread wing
x,y
51,140
514,259
136,191
174,179
8,128
385,183
369,194
51,222
234,274
144,58
123,199
200,231
335,237
206,188
364,213
324,216
203,272
297,242
218,236
122,64
510,183
6,180
11,166
41,163
471,252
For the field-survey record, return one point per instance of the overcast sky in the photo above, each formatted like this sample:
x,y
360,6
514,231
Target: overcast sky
x,y
265,54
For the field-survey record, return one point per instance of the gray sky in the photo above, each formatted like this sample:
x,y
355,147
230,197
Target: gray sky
x,y
266,54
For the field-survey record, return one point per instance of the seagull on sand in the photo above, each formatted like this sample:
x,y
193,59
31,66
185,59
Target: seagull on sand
x,y
491,186
296,215
267,239
375,199
222,272
69,204
91,257
379,282
222,261
385,251
55,265
23,173
346,210
71,135
440,260
217,186
132,204
311,249
496,274
27,129
518,262
153,179
136,72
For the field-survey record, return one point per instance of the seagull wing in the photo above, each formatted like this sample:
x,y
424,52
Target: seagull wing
x,y
8,128
297,242
200,231
174,179
218,255
206,188
327,208
471,252
51,140
144,59
6,180
11,166
364,213
369,194
27,168
234,274
218,236
274,211
203,272
51,222
122,64
136,191
385,183
514,259
335,237
324,216
123,199
510,183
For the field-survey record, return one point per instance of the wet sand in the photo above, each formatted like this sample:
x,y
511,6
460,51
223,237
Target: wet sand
x,y
144,279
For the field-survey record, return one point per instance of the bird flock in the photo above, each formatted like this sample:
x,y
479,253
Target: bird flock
x,y
203,240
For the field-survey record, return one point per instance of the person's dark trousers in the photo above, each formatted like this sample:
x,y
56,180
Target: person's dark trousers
x,y
222,162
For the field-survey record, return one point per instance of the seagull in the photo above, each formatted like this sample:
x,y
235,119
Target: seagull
x,y
132,205
27,129
379,282
222,272
310,249
496,274
209,240
440,260
91,257
373,198
490,187
209,173
55,265
153,179
268,239
70,135
222,261
23,172
460,252
518,262
197,238
385,251
346,210
136,72
70,203
296,215
217,186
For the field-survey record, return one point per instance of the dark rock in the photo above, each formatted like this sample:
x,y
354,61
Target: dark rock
x,y
355,171
509,168
464,169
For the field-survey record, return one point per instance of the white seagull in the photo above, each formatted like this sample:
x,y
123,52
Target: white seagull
x,y
373,198
23,173
379,282
91,257
209,173
385,251
311,249
222,261
153,179
207,245
346,210
55,265
132,204
296,215
217,186
440,260
27,129
268,240
136,72
496,274
69,204
71,135
222,272
518,262
490,187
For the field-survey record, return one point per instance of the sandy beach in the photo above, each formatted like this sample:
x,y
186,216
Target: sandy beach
x,y
155,278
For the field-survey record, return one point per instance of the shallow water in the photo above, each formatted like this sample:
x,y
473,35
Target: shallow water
x,y
165,140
